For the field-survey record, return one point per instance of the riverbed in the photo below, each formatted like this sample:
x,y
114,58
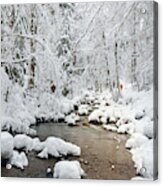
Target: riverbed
x,y
103,153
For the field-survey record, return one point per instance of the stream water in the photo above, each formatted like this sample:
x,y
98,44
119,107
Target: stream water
x,y
103,153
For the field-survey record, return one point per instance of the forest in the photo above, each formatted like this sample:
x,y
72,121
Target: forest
x,y
77,90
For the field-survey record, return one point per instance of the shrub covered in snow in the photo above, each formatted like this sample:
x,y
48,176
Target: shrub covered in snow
x,y
68,170
7,123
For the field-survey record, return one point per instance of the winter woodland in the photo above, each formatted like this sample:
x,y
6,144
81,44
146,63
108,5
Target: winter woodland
x,y
76,65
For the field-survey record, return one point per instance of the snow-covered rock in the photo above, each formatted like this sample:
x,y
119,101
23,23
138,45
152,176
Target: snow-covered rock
x,y
7,145
124,121
68,170
110,128
37,145
23,141
49,173
19,159
126,128
44,153
57,147
136,140
83,110
112,119
31,132
103,119
95,116
72,119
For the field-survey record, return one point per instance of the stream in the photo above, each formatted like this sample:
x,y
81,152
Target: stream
x,y
103,153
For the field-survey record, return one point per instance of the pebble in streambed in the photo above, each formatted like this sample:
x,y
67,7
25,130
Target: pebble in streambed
x,y
49,173
86,162
117,147
112,167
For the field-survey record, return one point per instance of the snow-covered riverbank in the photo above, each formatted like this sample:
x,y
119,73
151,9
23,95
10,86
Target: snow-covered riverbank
x,y
131,115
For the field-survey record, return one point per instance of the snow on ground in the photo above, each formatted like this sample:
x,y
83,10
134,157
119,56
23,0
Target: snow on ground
x,y
143,158
139,178
7,145
136,140
68,170
140,143
57,147
132,114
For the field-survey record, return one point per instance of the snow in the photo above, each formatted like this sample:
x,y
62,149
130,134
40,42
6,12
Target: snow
x,y
68,170
44,153
141,105
66,106
148,129
83,109
72,119
139,178
112,119
131,115
95,116
37,145
110,128
136,140
7,123
57,147
126,129
139,115
7,145
19,159
22,141
125,118
143,158
80,61
111,114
